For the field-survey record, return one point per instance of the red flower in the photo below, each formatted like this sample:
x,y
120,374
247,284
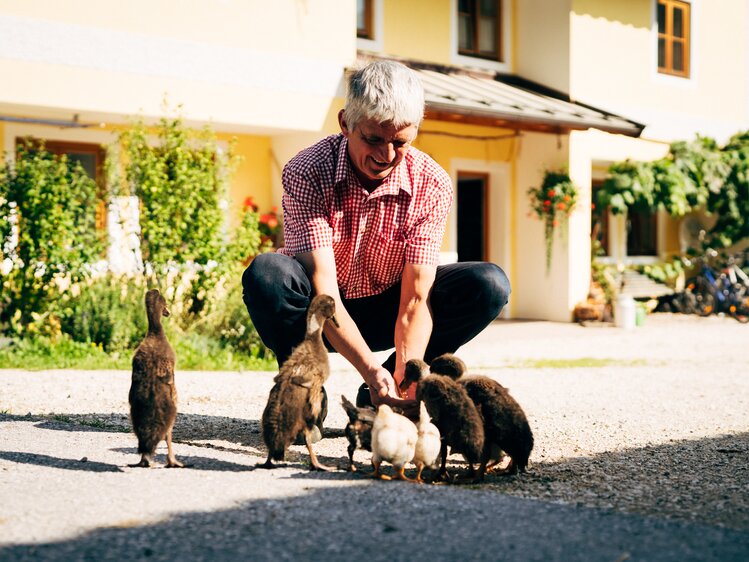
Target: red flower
x,y
270,220
249,203
547,203
551,193
593,206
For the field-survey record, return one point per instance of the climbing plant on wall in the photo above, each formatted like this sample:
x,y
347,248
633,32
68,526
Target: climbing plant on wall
x,y
695,175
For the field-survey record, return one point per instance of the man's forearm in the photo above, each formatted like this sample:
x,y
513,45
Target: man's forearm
x,y
412,331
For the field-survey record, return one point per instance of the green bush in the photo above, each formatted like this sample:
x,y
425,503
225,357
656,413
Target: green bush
x,y
108,311
47,232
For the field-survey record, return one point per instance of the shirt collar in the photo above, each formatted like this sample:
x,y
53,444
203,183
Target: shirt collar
x,y
398,179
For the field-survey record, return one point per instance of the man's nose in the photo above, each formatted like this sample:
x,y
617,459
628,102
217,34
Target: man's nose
x,y
387,152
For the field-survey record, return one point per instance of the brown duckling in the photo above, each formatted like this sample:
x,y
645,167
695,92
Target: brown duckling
x,y
394,439
153,396
452,411
506,426
358,429
296,399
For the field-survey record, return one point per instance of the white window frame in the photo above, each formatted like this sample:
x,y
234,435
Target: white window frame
x,y
374,45
505,32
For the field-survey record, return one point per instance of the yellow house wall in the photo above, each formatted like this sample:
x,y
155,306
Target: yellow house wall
x,y
540,294
418,29
542,52
253,176
248,67
614,66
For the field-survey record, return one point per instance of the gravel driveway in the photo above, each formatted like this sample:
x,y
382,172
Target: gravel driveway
x,y
642,453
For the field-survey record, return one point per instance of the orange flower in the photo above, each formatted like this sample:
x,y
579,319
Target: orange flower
x,y
561,206
249,203
269,220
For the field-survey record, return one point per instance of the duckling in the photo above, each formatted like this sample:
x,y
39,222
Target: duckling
x,y
394,439
296,399
506,426
153,396
358,429
452,411
428,444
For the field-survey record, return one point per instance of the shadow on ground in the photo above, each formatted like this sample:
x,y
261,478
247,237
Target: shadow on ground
x,y
701,480
397,521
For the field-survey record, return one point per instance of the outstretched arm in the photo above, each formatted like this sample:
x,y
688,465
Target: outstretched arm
x,y
413,326
346,339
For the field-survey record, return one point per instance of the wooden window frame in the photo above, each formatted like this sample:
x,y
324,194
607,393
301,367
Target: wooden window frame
x,y
366,32
474,15
669,39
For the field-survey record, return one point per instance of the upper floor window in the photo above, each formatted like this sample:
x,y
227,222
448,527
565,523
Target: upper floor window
x,y
673,37
364,26
479,25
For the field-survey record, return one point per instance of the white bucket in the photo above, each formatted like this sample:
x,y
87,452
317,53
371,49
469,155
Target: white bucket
x,y
625,313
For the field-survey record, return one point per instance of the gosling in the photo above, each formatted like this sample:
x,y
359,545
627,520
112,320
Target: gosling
x,y
296,399
452,411
506,426
153,395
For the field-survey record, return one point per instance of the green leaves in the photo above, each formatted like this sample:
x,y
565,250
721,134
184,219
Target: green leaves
x,y
695,175
179,176
47,229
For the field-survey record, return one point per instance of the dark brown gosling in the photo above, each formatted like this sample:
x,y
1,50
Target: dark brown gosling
x,y
451,410
153,395
296,400
506,426
358,429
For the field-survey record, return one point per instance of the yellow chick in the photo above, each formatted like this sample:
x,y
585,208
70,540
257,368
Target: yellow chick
x,y
428,443
394,440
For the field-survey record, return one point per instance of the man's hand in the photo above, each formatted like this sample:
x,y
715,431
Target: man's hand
x,y
383,390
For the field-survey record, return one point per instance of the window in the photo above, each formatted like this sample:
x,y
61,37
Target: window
x,y
673,37
479,25
600,221
642,233
91,159
364,27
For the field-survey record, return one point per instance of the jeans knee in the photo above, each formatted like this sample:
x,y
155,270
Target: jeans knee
x,y
493,286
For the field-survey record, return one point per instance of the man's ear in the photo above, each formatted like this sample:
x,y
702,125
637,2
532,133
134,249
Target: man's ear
x,y
342,123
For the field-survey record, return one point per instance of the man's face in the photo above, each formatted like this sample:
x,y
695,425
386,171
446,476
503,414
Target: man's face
x,y
375,149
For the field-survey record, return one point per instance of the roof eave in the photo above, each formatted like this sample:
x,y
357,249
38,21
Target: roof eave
x,y
444,111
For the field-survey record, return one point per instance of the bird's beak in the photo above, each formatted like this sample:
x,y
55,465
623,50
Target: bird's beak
x,y
335,321
405,383
165,312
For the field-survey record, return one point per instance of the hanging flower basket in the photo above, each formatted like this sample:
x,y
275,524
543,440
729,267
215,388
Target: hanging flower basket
x,y
553,203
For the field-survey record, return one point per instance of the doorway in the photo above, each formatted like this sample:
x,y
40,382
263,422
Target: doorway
x,y
472,220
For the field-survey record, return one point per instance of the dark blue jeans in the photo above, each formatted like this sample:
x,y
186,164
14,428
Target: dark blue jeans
x,y
465,298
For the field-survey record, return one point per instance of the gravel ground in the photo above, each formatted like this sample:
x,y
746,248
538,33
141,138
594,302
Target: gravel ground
x,y
642,452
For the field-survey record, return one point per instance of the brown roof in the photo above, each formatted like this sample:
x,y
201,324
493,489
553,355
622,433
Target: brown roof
x,y
511,101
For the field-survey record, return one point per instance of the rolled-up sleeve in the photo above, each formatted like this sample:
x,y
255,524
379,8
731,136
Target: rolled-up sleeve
x,y
305,215
424,239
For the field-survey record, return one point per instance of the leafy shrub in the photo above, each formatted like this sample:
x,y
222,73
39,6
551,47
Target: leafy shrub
x,y
108,311
47,231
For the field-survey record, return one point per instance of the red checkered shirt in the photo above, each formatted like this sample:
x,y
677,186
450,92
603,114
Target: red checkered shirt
x,y
372,234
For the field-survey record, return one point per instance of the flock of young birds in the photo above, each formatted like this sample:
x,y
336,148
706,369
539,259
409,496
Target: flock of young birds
x,y
473,415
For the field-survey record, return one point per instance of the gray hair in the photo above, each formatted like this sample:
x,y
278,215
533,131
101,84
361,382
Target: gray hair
x,y
386,92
